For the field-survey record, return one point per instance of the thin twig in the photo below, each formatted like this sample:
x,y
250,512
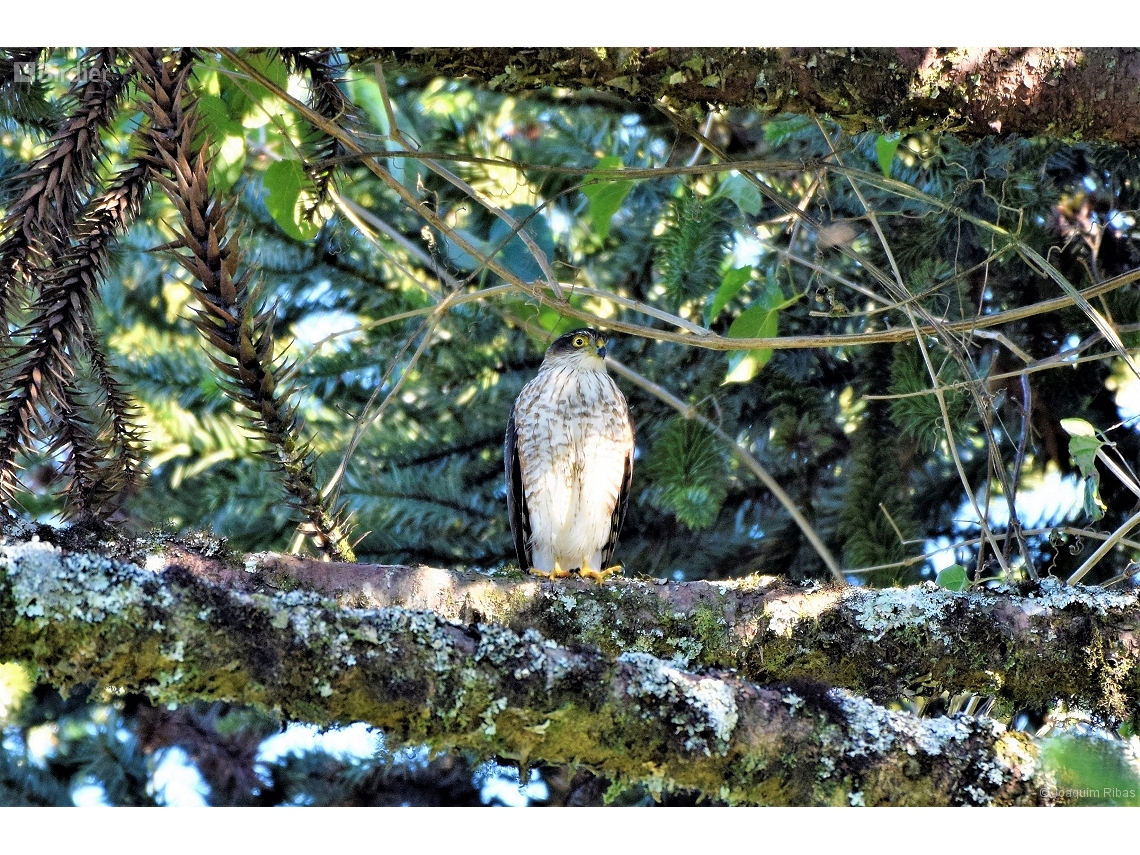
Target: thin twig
x,y
711,341
1104,549
364,422
397,136
900,285
891,520
1022,440
355,215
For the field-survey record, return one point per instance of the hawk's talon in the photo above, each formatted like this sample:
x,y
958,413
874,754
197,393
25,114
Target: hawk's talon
x,y
556,573
599,576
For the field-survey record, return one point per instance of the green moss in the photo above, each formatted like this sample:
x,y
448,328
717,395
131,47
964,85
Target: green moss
x,y
711,630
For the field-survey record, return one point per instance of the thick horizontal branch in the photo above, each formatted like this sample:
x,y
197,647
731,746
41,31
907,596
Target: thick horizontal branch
x,y
84,618
1082,94
1028,649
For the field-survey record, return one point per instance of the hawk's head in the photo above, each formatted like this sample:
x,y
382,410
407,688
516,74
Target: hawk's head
x,y
582,349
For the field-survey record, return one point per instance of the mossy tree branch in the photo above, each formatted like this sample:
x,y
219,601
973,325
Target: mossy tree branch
x,y
1027,649
1071,93
84,618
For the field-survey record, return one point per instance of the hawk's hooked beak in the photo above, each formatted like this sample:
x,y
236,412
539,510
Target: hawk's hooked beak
x,y
601,351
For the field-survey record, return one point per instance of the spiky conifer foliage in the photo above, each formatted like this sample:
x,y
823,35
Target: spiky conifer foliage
x,y
691,246
229,318
914,410
688,466
51,346
38,223
24,101
876,521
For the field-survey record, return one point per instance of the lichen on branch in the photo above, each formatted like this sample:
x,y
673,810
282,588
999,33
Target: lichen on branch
x,y
1026,646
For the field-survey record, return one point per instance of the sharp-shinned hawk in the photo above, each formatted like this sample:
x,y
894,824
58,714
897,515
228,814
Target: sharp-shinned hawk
x,y
569,461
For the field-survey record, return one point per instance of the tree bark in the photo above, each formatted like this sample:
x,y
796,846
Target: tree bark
x,y
1024,648
85,618
1075,94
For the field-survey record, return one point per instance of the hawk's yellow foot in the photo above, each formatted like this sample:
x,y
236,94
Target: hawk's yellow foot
x,y
556,573
599,576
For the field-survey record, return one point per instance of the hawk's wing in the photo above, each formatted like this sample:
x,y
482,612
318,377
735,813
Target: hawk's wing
x,y
619,509
516,498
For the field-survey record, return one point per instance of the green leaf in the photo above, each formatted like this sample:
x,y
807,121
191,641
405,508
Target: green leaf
x,y
1083,444
756,322
740,191
952,578
215,118
605,195
244,97
229,161
285,181
730,286
1078,427
1092,504
227,136
752,321
885,147
780,131
761,320
744,365
366,93
1083,447
1083,450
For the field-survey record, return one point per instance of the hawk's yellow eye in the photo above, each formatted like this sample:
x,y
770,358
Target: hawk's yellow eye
x,y
580,341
